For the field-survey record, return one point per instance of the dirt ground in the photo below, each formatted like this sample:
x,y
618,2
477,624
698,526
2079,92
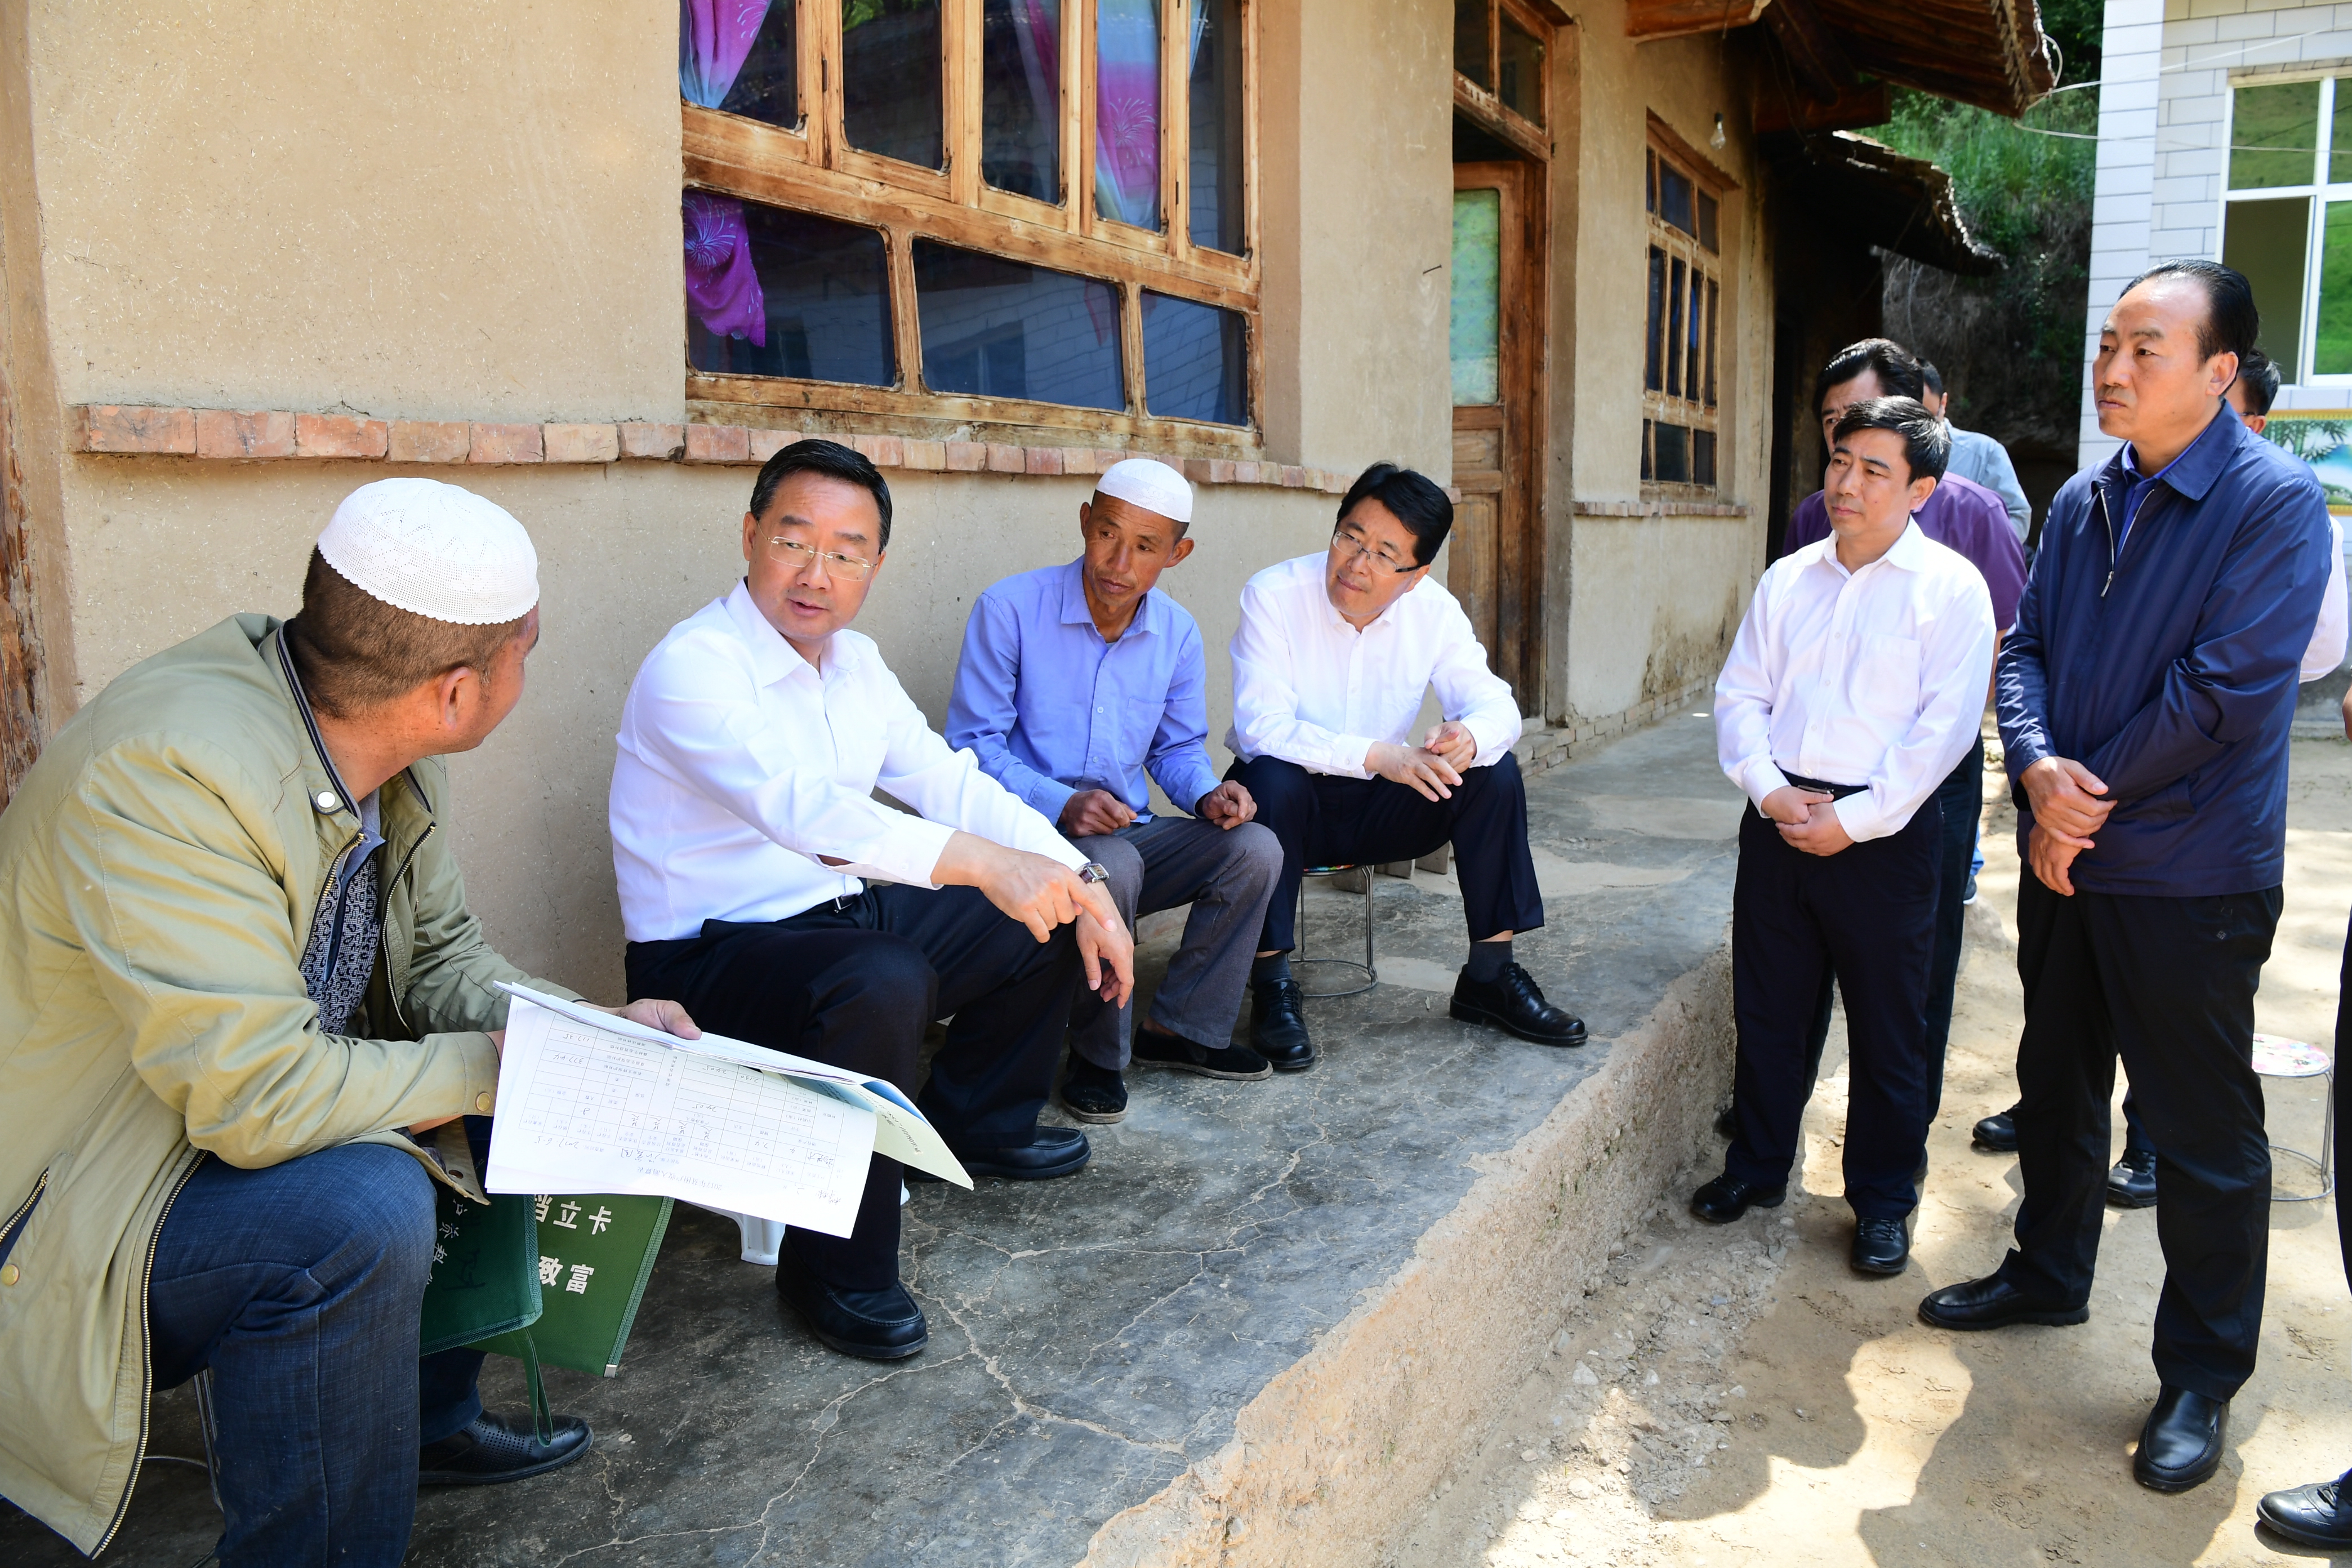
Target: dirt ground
x,y
1737,1394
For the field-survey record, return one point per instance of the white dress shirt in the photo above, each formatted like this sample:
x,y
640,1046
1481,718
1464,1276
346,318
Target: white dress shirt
x,y
1312,690
1874,677
740,763
2326,654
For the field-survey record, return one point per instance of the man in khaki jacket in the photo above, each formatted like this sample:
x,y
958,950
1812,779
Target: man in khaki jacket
x,y
239,992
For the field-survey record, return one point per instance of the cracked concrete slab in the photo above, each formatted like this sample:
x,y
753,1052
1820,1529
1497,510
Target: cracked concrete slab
x,y
1242,1334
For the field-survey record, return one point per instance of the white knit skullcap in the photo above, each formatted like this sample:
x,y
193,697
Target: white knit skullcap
x,y
434,550
1150,484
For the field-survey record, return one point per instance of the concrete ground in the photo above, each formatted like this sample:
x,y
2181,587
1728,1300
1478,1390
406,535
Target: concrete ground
x,y
1113,1344
1738,1395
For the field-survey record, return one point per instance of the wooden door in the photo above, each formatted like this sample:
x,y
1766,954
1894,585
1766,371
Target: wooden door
x,y
1495,562
19,720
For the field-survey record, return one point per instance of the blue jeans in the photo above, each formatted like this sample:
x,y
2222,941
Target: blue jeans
x,y
300,1287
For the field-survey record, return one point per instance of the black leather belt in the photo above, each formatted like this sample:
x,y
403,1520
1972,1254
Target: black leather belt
x,y
1834,791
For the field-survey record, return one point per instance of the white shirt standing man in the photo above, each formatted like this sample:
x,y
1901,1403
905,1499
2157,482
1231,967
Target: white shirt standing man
x,y
1330,662
1855,683
744,831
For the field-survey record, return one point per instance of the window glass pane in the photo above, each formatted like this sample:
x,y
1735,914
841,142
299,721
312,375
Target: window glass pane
x,y
2331,346
890,78
771,292
1653,379
1675,332
1672,464
1021,97
1647,431
1703,457
1127,112
1218,215
1695,336
1195,361
1714,305
1651,197
1523,71
2339,139
993,328
1473,334
1706,221
1471,19
2275,135
2268,242
1674,194
740,56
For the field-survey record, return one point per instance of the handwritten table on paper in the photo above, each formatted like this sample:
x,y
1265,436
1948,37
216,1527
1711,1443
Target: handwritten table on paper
x,y
587,1109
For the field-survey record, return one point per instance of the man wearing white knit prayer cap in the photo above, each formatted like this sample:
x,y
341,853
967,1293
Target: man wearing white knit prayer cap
x,y
1080,685
243,1009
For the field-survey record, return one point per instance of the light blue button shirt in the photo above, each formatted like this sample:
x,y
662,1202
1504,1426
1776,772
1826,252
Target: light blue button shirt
x,y
1050,709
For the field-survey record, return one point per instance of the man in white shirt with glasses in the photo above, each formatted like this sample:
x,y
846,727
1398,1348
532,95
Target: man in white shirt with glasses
x,y
1333,657
744,831
1855,686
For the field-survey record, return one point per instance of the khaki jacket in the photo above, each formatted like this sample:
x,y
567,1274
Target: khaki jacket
x,y
158,873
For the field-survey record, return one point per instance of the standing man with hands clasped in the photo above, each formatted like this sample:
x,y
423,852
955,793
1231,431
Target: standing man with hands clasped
x,y
1076,682
744,824
1855,682
2145,700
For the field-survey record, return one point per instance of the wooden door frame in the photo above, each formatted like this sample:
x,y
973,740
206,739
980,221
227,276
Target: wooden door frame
x,y
1524,288
20,712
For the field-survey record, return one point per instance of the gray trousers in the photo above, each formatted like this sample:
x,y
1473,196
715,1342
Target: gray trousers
x,y
1226,876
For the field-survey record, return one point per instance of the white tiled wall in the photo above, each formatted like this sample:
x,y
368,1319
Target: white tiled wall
x,y
2163,105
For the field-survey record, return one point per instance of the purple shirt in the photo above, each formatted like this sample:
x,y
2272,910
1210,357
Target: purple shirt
x,y
1962,515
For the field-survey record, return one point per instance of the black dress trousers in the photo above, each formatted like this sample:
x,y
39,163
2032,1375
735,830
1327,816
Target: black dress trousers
x,y
1323,819
2168,984
855,986
1868,911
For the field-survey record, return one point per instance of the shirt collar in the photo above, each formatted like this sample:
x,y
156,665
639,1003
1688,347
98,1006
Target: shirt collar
x,y
2193,472
1076,612
1908,552
774,658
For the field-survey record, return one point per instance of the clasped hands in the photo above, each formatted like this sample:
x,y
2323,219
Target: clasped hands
x,y
1806,819
1434,768
2065,797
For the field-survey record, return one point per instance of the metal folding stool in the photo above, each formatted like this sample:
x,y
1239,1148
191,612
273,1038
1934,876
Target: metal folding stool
x,y
2275,1057
1299,960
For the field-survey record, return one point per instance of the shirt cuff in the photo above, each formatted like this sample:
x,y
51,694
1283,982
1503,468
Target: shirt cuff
x,y
1860,817
1761,778
1047,797
1348,753
482,1071
908,853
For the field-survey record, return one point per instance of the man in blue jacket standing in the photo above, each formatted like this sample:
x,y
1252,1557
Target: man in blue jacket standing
x,y
2144,700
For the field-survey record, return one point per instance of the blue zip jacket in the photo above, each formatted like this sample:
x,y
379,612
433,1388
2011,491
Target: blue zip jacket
x,y
2167,668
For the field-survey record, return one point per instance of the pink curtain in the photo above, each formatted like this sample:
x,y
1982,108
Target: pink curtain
x,y
713,37
1127,112
721,289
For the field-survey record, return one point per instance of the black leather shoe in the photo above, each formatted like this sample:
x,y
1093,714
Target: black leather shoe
x,y
1881,1246
2317,1515
1514,1003
1997,1133
1278,1026
1094,1094
2182,1444
873,1325
1057,1151
2132,1184
1236,1062
1994,1302
494,1449
1725,1198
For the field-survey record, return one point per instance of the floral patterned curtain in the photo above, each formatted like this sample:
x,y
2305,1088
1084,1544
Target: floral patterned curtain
x,y
713,37
722,289
1127,107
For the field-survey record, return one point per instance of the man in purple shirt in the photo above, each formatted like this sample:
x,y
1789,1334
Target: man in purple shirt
x,y
1964,516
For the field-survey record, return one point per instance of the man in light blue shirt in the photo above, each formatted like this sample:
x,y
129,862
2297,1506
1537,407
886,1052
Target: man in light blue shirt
x,y
1080,684
1979,459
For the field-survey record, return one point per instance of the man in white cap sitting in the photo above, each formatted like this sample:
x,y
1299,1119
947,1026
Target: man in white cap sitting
x,y
1077,681
744,832
239,990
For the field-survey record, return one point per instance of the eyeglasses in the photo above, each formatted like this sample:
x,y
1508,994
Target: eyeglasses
x,y
1349,544
794,556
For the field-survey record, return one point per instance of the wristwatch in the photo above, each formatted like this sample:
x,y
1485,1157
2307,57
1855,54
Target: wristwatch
x,y
1094,871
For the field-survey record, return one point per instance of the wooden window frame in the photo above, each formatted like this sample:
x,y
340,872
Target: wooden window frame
x,y
1688,409
813,170
1487,108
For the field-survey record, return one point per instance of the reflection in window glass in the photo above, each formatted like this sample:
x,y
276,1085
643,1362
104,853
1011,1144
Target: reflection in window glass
x,y
2339,141
891,101
771,292
1674,194
1473,331
995,328
2268,241
1195,361
741,55
1471,19
1216,86
1127,112
2273,136
2331,345
1021,97
1523,71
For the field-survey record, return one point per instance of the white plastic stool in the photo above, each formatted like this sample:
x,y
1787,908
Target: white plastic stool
x,y
2275,1057
762,1237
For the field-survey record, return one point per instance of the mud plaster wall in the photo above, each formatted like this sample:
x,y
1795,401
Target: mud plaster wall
x,y
1679,586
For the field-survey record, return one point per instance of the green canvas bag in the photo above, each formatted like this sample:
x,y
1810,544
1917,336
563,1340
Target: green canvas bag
x,y
593,1258
483,1283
